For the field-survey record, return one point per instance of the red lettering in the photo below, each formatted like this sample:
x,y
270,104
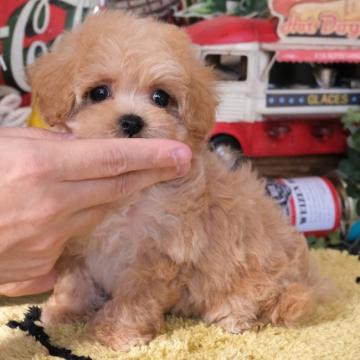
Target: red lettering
x,y
328,23
296,26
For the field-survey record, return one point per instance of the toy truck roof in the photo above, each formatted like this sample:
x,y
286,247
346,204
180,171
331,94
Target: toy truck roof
x,y
232,30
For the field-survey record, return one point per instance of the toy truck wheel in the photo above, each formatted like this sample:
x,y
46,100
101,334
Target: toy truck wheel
x,y
228,149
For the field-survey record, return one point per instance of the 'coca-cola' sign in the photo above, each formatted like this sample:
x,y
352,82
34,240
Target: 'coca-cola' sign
x,y
29,27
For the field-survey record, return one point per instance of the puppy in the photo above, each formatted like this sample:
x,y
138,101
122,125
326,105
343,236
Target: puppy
x,y
210,245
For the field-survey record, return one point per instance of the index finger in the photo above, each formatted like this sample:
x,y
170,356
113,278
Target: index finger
x,y
37,285
86,159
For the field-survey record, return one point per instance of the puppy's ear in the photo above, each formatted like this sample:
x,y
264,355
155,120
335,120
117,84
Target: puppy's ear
x,y
202,103
51,79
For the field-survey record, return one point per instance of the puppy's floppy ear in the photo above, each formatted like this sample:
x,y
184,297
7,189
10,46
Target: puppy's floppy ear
x,y
51,80
202,103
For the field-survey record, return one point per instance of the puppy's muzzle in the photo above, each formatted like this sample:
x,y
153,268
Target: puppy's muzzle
x,y
131,124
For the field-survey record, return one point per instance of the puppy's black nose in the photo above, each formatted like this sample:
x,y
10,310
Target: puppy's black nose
x,y
131,124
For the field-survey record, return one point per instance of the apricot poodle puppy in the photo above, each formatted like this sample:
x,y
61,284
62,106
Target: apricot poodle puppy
x,y
210,245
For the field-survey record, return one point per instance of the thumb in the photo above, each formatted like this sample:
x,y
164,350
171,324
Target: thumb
x,y
37,285
33,133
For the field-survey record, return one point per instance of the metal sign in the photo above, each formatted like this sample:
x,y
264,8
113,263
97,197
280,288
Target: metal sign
x,y
29,27
312,99
321,19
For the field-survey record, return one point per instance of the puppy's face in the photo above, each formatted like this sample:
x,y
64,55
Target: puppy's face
x,y
121,76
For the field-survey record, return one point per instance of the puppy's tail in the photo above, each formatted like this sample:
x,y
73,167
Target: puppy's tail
x,y
299,299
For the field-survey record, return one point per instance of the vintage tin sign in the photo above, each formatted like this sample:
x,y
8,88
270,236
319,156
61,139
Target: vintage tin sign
x,y
312,203
29,27
318,19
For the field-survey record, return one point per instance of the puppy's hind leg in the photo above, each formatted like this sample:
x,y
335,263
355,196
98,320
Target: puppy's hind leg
x,y
74,297
294,304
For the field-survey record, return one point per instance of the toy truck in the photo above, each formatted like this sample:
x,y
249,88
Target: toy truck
x,y
280,94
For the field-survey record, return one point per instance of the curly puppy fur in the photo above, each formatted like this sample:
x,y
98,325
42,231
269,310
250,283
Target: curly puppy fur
x,y
210,245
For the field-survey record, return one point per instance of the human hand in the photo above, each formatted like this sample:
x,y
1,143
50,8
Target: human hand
x,y
53,187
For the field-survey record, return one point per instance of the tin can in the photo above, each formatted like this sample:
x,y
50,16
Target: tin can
x,y
312,204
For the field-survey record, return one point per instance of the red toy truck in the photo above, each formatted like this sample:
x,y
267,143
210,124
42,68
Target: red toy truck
x,y
281,94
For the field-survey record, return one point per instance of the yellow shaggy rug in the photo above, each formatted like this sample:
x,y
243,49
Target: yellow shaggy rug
x,y
332,333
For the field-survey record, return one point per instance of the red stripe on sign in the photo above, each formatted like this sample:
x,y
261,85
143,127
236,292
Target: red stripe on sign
x,y
292,210
337,202
319,56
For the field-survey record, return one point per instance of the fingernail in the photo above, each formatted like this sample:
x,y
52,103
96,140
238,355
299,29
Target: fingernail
x,y
182,158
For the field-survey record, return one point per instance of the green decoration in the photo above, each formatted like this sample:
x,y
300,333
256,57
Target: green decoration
x,y
349,168
249,8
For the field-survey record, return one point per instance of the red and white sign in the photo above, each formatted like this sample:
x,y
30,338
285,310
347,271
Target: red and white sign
x,y
325,19
312,203
319,56
29,27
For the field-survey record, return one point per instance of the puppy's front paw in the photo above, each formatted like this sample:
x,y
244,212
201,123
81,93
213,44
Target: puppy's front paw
x,y
56,314
120,338
239,325
52,315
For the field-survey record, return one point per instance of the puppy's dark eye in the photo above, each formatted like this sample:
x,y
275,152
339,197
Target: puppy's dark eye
x,y
160,98
99,93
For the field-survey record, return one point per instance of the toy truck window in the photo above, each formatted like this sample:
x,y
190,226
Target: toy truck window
x,y
285,75
228,67
291,75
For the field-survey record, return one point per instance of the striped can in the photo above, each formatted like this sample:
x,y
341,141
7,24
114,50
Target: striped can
x,y
313,204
